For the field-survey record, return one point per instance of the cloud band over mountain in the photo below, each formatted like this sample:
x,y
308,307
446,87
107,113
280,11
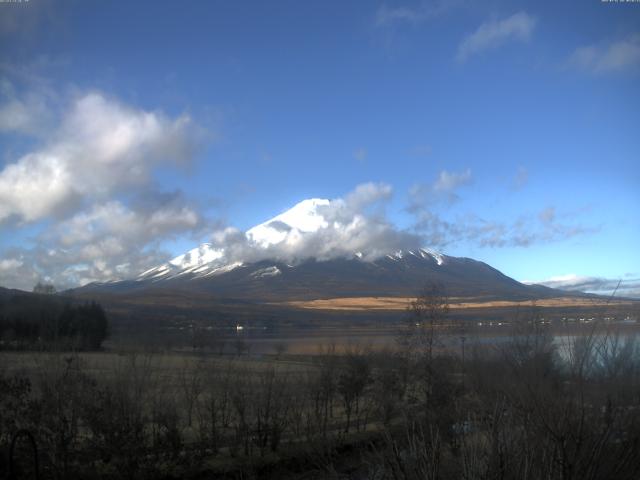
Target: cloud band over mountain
x,y
86,187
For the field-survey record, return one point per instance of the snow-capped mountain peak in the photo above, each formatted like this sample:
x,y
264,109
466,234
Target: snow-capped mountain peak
x,y
287,228
304,217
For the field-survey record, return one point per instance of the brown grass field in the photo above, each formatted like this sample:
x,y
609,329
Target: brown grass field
x,y
400,303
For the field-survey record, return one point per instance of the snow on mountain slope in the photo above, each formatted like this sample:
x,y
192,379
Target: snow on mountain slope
x,y
287,228
438,257
198,256
302,218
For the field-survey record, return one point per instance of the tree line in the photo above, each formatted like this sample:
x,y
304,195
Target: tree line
x,y
44,321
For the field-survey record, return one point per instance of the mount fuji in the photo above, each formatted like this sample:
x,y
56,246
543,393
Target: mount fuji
x,y
319,249
286,229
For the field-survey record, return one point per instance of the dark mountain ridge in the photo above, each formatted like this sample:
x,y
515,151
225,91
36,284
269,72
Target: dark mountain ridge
x,y
399,275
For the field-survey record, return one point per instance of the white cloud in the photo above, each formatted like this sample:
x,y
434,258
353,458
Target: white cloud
x,y
30,115
114,220
494,33
10,264
34,187
100,147
448,182
87,184
364,196
444,188
110,241
629,287
322,229
611,57
429,204
387,16
428,201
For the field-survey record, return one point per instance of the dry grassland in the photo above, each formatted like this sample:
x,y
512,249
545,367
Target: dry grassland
x,y
400,303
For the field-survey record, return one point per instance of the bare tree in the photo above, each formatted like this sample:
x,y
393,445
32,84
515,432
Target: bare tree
x,y
271,409
388,385
352,381
215,409
426,316
426,319
191,378
416,454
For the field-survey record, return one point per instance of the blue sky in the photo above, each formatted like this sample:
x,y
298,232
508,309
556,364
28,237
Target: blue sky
x,y
507,131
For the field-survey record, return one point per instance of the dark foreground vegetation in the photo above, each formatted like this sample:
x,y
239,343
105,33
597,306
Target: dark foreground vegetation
x,y
44,321
530,408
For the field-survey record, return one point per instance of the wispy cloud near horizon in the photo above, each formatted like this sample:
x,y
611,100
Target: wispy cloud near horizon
x,y
428,203
621,287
